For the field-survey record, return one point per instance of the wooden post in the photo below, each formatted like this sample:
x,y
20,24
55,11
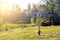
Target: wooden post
x,y
39,26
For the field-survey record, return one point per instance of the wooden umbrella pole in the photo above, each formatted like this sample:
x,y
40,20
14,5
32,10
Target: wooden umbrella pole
x,y
39,26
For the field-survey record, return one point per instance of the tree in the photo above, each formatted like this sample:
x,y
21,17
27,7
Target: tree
x,y
52,7
29,6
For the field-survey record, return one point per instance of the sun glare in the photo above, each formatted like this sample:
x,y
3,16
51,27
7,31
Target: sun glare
x,y
3,6
22,3
8,4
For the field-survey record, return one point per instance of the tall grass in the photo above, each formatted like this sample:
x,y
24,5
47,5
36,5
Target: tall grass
x,y
31,34
8,26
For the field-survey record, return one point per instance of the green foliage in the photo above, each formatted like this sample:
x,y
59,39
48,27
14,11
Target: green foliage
x,y
37,21
32,20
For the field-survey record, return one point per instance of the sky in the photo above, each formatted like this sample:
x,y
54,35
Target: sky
x,y
22,3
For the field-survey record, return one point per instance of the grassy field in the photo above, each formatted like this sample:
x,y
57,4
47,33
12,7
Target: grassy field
x,y
30,33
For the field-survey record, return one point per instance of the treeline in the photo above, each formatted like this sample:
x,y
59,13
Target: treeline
x,y
15,15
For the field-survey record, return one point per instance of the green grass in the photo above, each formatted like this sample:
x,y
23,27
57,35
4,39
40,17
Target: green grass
x,y
30,33
8,26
